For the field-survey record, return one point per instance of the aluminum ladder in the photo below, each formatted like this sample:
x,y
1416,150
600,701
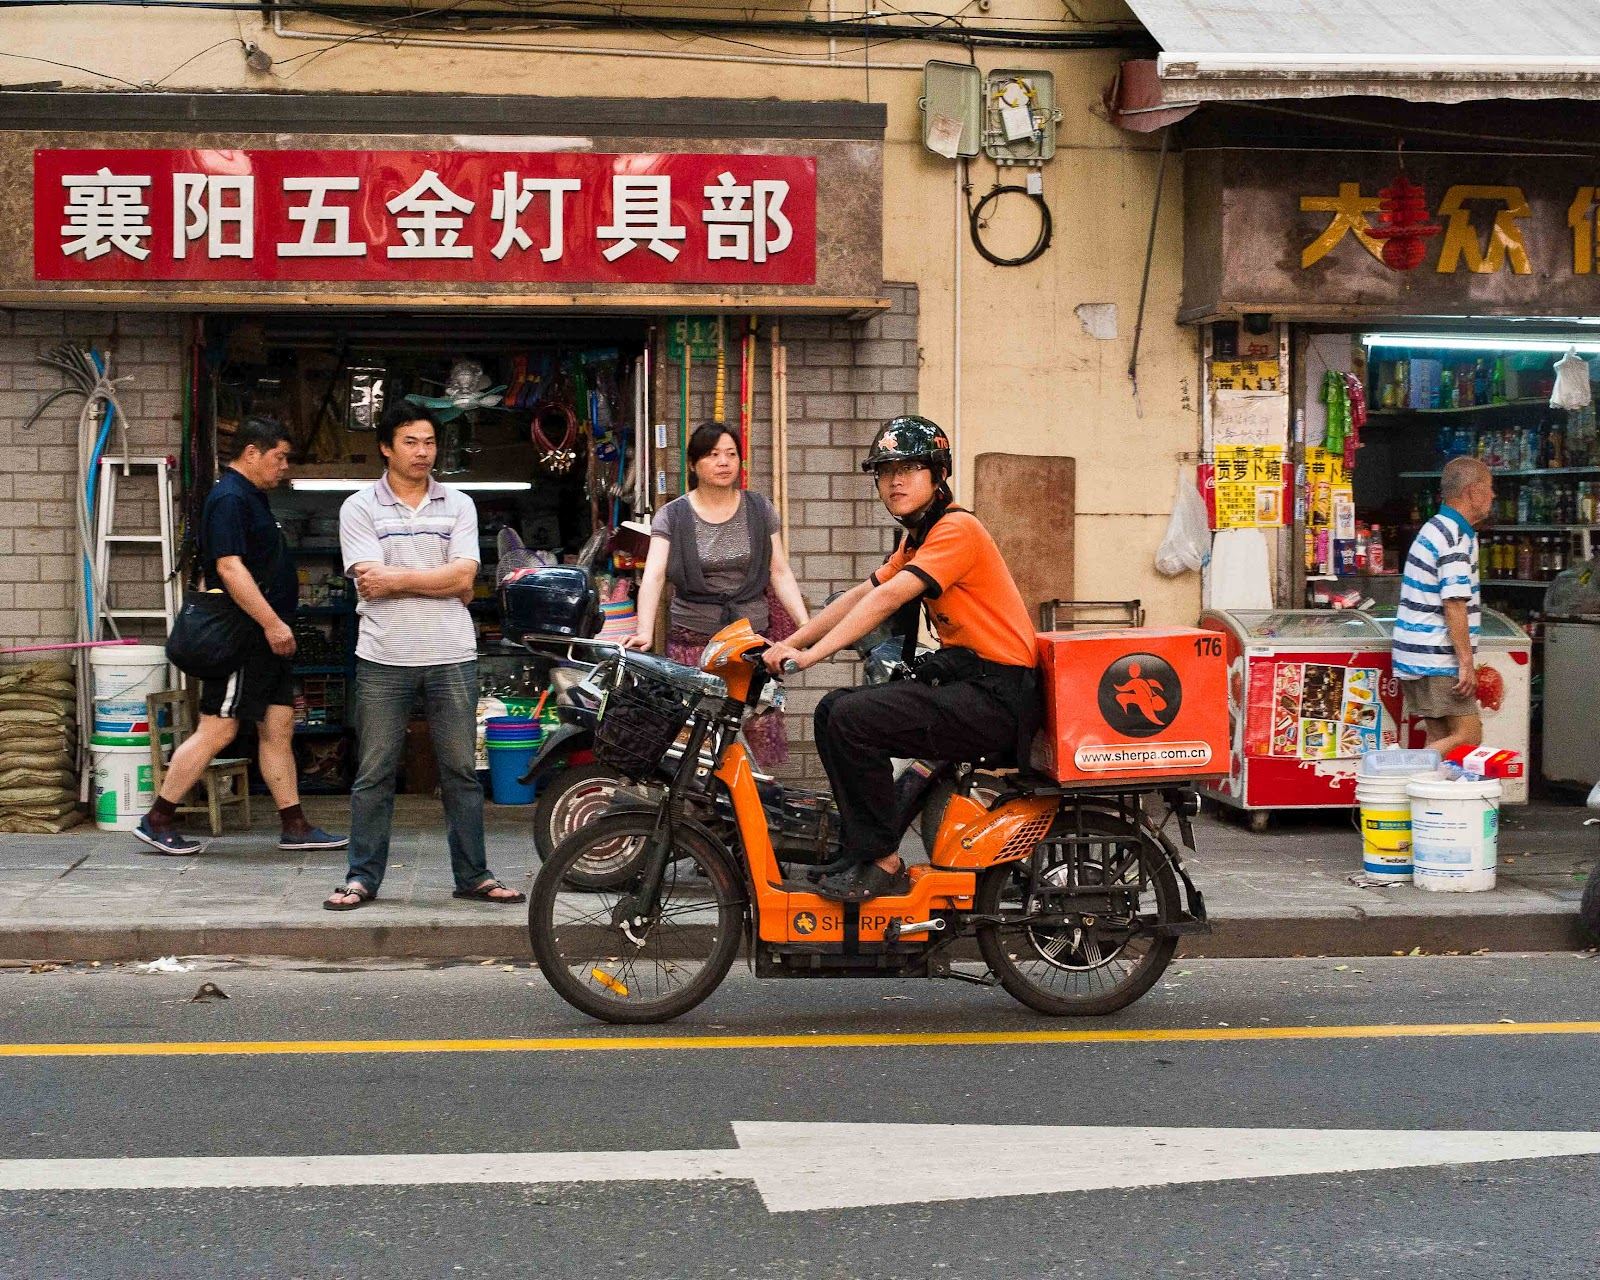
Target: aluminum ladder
x,y
107,540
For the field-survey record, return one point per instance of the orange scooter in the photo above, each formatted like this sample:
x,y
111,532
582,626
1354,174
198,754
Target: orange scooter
x,y
1072,896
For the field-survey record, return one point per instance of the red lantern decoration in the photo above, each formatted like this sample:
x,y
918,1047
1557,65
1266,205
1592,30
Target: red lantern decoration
x,y
1404,213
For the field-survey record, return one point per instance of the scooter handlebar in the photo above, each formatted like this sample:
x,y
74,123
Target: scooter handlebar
x,y
790,666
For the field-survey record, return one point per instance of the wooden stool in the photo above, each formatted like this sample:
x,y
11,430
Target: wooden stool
x,y
226,779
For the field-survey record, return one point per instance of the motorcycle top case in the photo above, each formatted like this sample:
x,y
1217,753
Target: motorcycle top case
x,y
557,601
1134,704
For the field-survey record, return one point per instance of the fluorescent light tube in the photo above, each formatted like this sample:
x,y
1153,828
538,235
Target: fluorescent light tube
x,y
1453,342
321,484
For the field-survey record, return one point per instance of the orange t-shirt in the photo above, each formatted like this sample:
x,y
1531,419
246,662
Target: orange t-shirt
x,y
970,595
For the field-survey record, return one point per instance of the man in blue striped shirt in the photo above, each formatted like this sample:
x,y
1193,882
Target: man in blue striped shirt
x,y
1436,628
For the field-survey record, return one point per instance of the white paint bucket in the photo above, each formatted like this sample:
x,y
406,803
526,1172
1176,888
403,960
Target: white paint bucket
x,y
1455,834
124,785
1385,826
123,676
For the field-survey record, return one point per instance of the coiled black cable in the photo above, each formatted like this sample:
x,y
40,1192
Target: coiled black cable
x,y
1046,226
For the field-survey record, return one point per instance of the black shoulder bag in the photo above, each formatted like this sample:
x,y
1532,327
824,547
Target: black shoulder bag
x,y
212,636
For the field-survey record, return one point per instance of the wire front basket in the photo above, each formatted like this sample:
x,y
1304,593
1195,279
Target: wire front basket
x,y
638,724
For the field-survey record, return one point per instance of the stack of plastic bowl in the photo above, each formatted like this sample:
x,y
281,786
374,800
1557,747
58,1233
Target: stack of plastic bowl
x,y
619,620
512,742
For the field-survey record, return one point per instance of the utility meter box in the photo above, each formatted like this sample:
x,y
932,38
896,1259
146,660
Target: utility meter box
x,y
1019,116
1136,705
952,109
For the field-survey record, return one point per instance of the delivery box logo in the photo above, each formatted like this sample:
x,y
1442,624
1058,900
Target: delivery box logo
x,y
1140,695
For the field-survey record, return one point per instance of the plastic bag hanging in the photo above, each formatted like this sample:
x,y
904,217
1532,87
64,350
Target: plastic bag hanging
x,y
1187,544
1572,383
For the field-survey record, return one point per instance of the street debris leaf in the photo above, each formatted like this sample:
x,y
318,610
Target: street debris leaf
x,y
1341,968
44,966
209,991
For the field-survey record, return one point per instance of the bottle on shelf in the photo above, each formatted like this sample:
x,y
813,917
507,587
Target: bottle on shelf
x,y
1525,557
1375,550
1360,554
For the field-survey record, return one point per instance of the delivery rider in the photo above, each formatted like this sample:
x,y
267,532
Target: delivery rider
x,y
977,697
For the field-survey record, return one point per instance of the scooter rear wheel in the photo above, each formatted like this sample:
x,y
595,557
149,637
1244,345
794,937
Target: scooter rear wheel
x,y
667,968
1063,972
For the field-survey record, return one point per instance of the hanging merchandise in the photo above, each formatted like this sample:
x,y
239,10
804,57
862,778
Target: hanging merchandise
x,y
1357,419
1336,397
1404,213
1572,389
555,436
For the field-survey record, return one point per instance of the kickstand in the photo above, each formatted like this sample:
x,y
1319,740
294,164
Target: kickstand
x,y
976,979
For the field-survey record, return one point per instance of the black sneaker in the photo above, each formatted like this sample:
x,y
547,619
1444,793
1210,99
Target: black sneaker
x,y
168,843
867,880
316,838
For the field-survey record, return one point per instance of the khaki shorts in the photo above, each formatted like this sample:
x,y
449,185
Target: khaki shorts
x,y
1435,698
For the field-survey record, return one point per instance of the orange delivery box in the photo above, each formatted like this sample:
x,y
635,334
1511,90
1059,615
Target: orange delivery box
x,y
1135,704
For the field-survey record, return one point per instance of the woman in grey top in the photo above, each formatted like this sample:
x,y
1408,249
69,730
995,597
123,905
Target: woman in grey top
x,y
720,547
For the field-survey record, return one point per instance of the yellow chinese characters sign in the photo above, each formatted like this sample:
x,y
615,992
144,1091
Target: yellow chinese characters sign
x,y
1350,213
1244,375
1248,486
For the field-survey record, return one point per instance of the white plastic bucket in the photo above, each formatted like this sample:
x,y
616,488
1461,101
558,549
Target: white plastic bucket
x,y
1455,834
1385,826
124,786
124,675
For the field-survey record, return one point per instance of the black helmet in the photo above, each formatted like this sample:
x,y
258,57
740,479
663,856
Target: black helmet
x,y
910,439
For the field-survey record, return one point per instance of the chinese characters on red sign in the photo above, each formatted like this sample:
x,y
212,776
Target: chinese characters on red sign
x,y
482,217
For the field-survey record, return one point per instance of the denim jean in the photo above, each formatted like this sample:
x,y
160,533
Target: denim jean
x,y
382,705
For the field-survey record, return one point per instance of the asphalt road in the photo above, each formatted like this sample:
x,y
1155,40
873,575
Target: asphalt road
x,y
1534,1217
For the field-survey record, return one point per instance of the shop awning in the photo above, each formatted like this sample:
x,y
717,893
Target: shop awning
x,y
1418,51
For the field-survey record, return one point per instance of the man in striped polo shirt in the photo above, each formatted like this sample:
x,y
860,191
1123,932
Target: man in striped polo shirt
x,y
412,547
1436,628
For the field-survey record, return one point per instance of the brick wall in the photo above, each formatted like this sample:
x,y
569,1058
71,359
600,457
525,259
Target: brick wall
x,y
845,378
39,571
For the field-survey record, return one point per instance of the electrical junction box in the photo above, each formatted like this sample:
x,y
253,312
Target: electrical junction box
x,y
952,109
1019,116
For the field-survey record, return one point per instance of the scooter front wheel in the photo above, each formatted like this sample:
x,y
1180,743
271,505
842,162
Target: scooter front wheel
x,y
601,962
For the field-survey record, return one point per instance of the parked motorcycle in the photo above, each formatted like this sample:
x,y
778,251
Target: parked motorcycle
x,y
1076,899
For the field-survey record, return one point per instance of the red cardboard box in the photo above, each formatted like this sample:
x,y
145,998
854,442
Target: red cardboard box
x,y
1134,704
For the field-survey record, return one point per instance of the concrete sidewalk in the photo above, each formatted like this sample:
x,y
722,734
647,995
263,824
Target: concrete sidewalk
x,y
89,895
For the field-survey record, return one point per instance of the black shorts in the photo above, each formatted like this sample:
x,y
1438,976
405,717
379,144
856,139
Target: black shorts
x,y
265,680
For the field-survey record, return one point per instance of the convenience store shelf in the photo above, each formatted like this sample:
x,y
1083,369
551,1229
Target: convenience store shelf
x,y
1485,583
318,730
1459,409
1502,471
314,669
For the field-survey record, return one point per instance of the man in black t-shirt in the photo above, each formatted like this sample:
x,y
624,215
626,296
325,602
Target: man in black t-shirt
x,y
244,553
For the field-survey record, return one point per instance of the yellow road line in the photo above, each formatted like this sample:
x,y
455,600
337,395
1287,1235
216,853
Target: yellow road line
x,y
886,1040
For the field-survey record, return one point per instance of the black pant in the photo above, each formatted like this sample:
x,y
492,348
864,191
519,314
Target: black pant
x,y
858,731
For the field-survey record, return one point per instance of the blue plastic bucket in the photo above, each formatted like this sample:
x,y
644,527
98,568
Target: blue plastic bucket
x,y
507,763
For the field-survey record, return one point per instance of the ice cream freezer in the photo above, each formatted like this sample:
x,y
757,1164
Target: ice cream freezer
x,y
1311,691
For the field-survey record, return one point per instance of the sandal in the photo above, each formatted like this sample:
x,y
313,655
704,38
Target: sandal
x,y
485,893
352,889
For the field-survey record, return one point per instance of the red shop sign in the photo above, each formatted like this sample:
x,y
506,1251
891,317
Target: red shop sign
x,y
476,216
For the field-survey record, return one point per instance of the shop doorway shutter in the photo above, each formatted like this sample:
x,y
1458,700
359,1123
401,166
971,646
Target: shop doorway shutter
x,y
1029,504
